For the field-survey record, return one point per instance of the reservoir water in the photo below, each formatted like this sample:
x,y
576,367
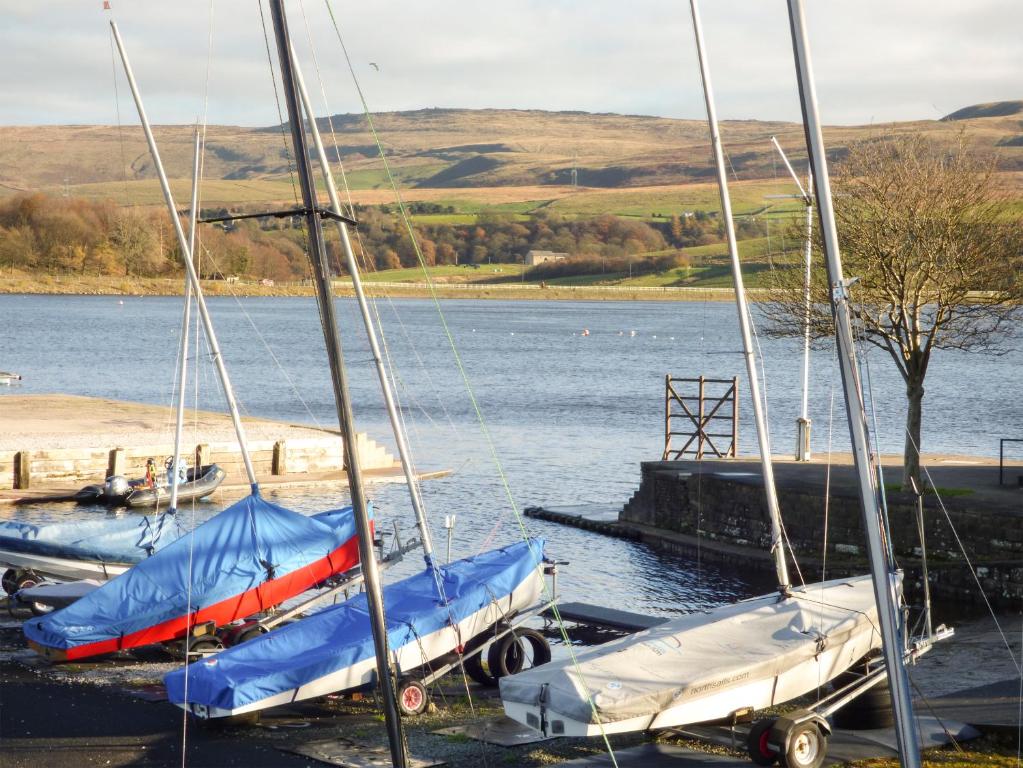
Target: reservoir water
x,y
570,415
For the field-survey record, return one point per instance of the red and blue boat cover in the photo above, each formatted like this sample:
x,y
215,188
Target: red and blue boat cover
x,y
248,558
339,637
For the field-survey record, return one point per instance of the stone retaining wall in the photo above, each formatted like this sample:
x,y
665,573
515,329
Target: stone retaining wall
x,y
35,468
729,509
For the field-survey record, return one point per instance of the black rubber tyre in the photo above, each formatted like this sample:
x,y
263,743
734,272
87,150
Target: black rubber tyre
x,y
756,743
25,580
472,662
506,656
869,711
518,650
539,650
242,633
250,633
807,748
39,609
412,697
202,646
10,580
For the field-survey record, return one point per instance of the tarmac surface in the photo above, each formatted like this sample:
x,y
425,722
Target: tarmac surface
x,y
111,713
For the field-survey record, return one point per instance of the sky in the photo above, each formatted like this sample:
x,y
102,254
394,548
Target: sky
x,y
875,61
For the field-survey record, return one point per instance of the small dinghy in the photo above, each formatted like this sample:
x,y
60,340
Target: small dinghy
x,y
89,549
50,595
333,650
119,491
703,667
251,557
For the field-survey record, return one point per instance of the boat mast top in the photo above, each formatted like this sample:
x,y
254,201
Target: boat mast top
x,y
763,441
886,585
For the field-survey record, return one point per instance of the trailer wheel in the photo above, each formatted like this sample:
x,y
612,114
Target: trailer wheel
x,y
757,743
203,646
251,633
412,697
10,580
25,580
241,633
807,746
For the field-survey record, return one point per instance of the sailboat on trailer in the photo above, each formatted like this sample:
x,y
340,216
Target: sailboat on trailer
x,y
250,557
440,611
736,659
87,549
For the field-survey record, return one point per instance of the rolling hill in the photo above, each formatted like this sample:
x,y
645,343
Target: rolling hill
x,y
514,160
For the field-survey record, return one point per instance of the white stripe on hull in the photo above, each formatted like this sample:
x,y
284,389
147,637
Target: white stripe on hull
x,y
409,656
62,568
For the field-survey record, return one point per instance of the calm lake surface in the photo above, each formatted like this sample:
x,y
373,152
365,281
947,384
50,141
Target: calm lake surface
x,y
571,416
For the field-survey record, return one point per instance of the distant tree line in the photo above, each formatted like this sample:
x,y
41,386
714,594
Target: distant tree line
x,y
46,234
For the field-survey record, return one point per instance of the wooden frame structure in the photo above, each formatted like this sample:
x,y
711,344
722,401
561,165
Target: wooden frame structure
x,y
698,412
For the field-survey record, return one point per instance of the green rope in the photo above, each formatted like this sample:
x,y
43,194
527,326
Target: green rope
x,y
491,445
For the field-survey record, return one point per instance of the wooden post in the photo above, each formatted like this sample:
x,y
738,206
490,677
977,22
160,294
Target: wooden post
x,y
735,416
22,470
699,444
115,462
667,416
202,455
279,463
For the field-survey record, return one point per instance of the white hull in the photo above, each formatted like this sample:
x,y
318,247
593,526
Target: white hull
x,y
705,667
60,567
407,657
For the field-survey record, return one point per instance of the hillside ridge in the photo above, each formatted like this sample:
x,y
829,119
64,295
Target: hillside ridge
x,y
455,148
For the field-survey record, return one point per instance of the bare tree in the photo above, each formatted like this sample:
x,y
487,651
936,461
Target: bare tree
x,y
937,251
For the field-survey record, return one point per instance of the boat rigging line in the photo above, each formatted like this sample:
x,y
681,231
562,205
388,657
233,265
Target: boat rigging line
x,y
277,101
404,452
369,266
803,424
484,429
187,259
371,574
885,585
778,549
192,233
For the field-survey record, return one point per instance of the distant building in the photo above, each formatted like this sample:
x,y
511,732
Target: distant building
x,y
541,257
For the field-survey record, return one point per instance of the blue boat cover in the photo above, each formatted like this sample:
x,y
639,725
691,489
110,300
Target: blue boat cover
x,y
121,540
340,635
224,557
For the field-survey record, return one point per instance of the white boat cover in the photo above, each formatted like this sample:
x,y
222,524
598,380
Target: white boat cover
x,y
703,655
58,594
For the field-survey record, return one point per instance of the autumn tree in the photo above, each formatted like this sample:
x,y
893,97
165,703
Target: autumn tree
x,y
133,237
936,250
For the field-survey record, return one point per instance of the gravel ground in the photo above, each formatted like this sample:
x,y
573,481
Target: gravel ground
x,y
103,712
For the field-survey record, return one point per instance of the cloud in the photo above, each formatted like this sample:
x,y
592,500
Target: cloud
x,y
874,60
